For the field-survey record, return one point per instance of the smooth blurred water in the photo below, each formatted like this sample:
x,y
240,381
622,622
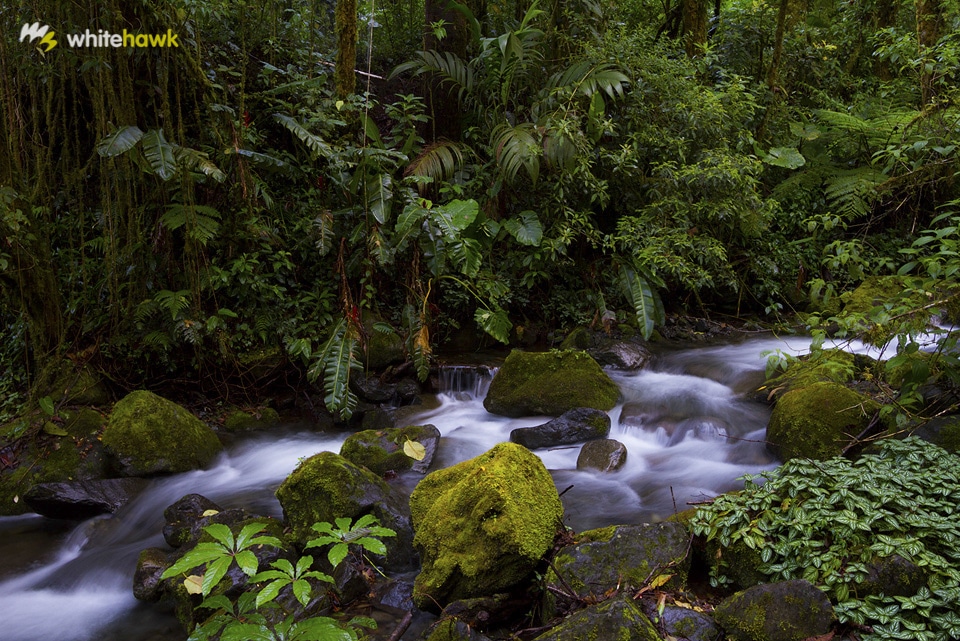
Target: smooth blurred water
x,y
691,432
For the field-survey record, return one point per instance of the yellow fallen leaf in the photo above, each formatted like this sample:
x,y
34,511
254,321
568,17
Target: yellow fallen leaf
x,y
210,512
193,584
659,580
414,450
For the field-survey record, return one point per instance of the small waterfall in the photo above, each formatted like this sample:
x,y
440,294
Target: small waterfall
x,y
465,382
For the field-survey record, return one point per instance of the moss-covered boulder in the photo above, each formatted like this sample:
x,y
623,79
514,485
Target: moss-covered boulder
x,y
482,525
550,383
240,421
783,611
617,619
147,435
452,630
77,386
327,486
382,451
818,421
829,365
383,348
616,557
873,291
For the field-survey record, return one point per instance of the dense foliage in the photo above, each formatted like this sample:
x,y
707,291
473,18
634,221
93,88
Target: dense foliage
x,y
194,213
835,522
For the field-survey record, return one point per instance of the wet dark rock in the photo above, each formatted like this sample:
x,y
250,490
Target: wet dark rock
x,y
575,426
395,593
372,389
151,564
683,624
376,418
483,612
617,618
82,499
621,355
408,392
604,455
183,517
619,557
783,611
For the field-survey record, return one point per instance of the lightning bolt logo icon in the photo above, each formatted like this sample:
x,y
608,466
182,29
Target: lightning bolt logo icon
x,y
34,31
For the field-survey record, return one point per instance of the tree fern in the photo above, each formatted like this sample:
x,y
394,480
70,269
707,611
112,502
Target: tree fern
x,y
852,192
336,362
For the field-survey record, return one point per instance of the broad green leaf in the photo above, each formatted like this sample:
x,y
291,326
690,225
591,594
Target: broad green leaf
x,y
46,404
469,254
379,195
243,539
302,591
643,299
217,602
788,157
337,553
456,216
320,629
122,140
248,632
221,533
54,430
414,450
374,546
202,553
215,571
315,143
247,562
159,154
495,322
525,227
270,591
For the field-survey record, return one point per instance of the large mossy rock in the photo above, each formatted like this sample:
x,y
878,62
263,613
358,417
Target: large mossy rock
x,y
327,486
549,383
617,557
617,620
147,435
482,525
783,611
382,451
817,421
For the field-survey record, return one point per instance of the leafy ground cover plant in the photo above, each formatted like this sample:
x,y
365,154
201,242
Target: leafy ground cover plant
x,y
257,614
830,521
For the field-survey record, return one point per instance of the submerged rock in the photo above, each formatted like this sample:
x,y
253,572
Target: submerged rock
x,y
574,426
147,435
382,451
550,383
327,486
604,455
482,525
783,611
817,421
82,499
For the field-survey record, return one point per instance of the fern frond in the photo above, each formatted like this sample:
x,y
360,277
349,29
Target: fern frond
x,y
193,160
174,303
316,144
852,192
337,361
438,160
586,78
516,147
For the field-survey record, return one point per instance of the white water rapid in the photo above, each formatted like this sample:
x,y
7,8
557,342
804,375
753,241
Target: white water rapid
x,y
689,431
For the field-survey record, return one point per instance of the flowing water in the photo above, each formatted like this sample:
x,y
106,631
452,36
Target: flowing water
x,y
689,430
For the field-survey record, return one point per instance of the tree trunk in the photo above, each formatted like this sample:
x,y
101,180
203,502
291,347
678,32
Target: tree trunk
x,y
694,26
774,72
442,102
346,29
885,16
930,22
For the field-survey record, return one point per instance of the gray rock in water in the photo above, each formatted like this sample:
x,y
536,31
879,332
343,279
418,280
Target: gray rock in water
x,y
605,455
782,611
575,426
621,355
182,518
151,564
82,499
614,619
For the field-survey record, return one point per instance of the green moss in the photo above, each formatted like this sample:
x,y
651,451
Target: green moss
x,y
832,365
324,487
817,421
482,525
240,421
85,422
949,437
149,435
381,451
579,338
550,383
873,291
75,387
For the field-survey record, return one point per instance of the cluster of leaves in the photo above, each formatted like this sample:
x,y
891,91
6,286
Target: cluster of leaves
x,y
256,613
829,521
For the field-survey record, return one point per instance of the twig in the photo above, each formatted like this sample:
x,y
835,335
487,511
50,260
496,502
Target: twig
x,y
362,73
401,627
571,592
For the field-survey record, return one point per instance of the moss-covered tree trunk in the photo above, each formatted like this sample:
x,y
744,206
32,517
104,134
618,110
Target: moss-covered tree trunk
x,y
346,28
773,74
694,28
930,23
442,103
884,16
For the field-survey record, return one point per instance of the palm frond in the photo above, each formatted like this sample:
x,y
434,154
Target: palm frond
x,y
516,147
438,160
316,144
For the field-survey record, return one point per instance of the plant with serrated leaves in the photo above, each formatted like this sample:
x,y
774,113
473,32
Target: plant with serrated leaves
x,y
364,533
829,521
